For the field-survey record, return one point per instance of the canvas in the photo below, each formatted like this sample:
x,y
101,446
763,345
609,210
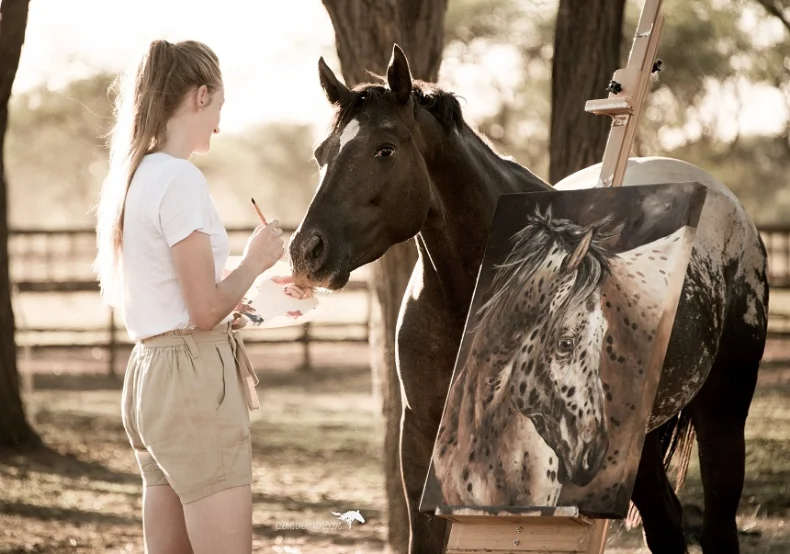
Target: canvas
x,y
563,347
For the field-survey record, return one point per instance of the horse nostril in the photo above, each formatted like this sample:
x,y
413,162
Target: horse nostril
x,y
314,252
593,455
587,462
314,247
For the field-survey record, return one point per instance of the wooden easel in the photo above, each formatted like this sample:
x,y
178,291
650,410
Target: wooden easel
x,y
546,531
564,529
627,92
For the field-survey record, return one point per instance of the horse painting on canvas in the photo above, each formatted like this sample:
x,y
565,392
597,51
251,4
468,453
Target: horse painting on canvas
x,y
536,403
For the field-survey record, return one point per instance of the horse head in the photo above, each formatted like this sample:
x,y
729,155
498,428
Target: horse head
x,y
375,189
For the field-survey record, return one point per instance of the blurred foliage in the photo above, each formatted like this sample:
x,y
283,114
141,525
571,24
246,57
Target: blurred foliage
x,y
54,153
711,48
272,162
519,125
57,157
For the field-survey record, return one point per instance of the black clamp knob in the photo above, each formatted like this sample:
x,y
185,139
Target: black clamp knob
x,y
657,66
614,87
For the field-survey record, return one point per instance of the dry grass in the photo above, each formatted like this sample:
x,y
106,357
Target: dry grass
x,y
317,447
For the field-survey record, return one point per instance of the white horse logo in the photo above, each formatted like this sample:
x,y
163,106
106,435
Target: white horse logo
x,y
349,517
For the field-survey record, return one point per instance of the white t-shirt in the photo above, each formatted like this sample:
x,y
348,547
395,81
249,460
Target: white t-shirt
x,y
168,199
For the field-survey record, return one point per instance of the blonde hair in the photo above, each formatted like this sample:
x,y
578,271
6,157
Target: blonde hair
x,y
145,102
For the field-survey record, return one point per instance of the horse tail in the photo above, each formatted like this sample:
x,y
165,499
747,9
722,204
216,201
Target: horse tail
x,y
678,439
677,443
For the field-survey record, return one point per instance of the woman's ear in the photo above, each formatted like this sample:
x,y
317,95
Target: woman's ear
x,y
202,97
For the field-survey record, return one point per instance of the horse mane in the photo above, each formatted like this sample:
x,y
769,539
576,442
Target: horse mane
x,y
537,240
441,104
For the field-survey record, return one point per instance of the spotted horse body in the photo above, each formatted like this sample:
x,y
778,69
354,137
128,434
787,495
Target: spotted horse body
x,y
400,162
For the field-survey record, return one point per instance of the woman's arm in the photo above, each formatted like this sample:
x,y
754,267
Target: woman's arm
x,y
185,213
208,302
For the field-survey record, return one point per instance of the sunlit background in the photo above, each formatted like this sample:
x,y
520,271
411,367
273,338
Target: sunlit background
x,y
730,98
722,102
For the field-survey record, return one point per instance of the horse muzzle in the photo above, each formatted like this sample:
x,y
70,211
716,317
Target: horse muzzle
x,y
316,263
589,462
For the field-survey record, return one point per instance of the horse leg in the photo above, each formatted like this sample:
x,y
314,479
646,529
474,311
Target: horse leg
x,y
719,414
418,434
658,506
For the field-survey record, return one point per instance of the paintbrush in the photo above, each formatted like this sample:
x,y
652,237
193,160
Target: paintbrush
x,y
258,211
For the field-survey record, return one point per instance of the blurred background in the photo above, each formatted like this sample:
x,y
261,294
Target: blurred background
x,y
722,102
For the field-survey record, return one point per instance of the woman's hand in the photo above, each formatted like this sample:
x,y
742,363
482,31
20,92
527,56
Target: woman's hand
x,y
292,290
264,247
238,321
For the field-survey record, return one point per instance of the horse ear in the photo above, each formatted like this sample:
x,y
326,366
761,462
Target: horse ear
x,y
611,237
575,258
399,75
335,90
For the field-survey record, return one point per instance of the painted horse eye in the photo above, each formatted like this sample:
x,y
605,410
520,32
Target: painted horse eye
x,y
385,152
565,345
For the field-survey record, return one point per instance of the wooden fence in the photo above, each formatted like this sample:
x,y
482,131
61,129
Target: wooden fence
x,y
57,261
777,243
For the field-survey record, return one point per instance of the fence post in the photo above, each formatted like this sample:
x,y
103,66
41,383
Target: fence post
x,y
111,345
305,340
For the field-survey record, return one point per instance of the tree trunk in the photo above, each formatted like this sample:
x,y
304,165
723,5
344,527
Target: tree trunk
x,y
586,53
15,431
365,31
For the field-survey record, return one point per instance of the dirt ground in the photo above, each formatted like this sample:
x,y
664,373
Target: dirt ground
x,y
317,448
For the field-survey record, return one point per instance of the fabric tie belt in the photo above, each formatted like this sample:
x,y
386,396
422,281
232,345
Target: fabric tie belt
x,y
222,333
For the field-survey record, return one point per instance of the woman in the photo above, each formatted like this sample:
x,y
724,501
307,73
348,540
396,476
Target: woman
x,y
161,255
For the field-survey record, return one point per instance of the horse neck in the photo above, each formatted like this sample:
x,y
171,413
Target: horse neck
x,y
467,178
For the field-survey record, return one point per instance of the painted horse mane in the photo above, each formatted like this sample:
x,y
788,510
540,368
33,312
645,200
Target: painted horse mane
x,y
541,237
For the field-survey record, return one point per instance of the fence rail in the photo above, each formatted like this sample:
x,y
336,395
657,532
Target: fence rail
x,y
57,262
777,244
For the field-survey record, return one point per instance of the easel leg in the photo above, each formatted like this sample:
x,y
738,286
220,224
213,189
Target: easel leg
x,y
598,536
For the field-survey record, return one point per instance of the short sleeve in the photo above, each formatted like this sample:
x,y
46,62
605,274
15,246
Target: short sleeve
x,y
185,203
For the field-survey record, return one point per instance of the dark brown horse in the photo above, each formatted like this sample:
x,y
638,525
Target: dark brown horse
x,y
400,163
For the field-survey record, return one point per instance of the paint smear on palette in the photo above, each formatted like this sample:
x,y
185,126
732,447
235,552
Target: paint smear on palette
x,y
266,306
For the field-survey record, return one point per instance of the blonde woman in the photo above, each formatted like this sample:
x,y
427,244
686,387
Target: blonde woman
x,y
161,255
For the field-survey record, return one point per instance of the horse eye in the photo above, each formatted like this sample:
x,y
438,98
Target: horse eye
x,y
385,152
565,345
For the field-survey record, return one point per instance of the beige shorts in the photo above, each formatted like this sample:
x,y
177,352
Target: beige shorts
x,y
186,401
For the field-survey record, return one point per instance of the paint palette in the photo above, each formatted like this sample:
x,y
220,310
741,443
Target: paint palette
x,y
266,306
